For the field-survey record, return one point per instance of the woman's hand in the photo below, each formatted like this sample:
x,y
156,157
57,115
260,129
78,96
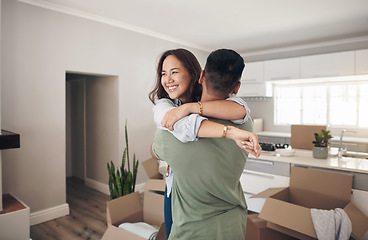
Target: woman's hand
x,y
174,115
245,140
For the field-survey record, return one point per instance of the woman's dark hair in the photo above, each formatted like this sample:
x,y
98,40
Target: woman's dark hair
x,y
191,64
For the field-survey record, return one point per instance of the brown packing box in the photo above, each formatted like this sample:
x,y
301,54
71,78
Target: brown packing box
x,y
302,136
288,209
129,208
155,181
257,230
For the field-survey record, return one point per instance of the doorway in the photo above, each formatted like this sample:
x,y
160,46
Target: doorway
x,y
92,126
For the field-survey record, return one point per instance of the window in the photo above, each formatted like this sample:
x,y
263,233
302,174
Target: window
x,y
338,104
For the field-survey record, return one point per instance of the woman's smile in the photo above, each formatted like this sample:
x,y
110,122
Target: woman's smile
x,y
172,88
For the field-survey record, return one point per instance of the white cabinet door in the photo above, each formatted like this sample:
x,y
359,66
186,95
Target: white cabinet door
x,y
361,62
282,69
327,65
255,182
255,89
253,72
252,84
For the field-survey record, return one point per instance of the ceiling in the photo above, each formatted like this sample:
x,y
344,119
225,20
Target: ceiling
x,y
243,25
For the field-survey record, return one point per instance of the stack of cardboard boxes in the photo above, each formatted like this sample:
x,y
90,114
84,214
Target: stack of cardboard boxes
x,y
286,214
131,208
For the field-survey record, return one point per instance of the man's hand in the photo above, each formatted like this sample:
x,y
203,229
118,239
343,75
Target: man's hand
x,y
245,140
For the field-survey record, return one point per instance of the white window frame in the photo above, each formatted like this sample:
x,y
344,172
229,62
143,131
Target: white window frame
x,y
327,84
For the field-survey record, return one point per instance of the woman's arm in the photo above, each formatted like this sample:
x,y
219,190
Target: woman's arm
x,y
186,128
233,108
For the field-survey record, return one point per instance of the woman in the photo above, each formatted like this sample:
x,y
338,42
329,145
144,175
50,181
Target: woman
x,y
177,77
178,92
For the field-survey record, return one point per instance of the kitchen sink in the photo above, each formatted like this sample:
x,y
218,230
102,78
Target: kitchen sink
x,y
355,154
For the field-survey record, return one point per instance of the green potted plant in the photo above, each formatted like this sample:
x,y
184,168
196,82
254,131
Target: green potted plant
x,y
122,180
320,149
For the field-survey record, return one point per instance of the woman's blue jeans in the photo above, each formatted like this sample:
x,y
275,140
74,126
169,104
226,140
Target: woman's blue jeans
x,y
167,214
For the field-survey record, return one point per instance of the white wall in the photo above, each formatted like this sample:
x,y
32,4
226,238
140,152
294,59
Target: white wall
x,y
102,126
38,47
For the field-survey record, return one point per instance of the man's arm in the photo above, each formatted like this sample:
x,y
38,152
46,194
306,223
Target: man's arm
x,y
244,139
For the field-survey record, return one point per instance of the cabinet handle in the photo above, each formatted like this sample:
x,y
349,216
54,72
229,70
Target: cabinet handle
x,y
252,94
259,174
261,162
281,78
326,75
250,80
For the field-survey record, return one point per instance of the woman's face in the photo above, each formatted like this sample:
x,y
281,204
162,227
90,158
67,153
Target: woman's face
x,y
175,78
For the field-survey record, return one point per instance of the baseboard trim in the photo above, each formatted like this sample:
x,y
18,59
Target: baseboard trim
x,y
104,188
101,187
49,214
63,209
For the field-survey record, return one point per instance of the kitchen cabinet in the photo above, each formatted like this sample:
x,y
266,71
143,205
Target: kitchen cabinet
x,y
328,65
255,89
282,69
253,72
252,84
361,62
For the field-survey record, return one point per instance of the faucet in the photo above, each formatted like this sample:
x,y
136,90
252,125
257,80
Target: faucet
x,y
341,150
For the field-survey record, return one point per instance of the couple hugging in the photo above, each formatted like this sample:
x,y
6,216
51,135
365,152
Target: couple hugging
x,y
204,136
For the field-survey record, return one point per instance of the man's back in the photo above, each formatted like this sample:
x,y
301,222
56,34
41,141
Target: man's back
x,y
207,198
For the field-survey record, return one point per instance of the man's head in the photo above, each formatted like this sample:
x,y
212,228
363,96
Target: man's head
x,y
223,71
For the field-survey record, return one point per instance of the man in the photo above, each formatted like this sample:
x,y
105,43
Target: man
x,y
207,198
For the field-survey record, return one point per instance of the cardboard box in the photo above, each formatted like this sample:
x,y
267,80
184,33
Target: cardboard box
x,y
302,136
257,230
129,208
288,210
155,180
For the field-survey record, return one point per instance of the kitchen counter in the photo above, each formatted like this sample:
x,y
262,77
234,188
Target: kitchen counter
x,y
305,158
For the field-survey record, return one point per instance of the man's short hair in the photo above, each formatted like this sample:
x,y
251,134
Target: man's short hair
x,y
223,70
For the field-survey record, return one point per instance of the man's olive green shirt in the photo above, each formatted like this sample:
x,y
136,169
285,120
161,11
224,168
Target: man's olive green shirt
x,y
207,197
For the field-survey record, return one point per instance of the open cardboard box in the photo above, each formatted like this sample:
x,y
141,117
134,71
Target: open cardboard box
x,y
155,180
129,208
288,209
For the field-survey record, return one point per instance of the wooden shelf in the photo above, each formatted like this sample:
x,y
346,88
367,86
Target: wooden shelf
x,y
11,204
9,140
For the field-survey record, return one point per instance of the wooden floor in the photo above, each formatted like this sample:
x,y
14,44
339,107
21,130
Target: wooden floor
x,y
87,219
